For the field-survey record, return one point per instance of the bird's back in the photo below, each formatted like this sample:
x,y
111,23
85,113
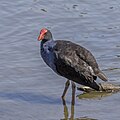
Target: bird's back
x,y
75,55
75,63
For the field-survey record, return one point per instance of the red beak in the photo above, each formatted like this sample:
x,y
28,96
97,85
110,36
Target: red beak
x,y
42,34
40,37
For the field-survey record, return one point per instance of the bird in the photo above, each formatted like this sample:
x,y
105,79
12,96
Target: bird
x,y
71,61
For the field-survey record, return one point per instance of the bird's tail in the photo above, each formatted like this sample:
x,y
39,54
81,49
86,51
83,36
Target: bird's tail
x,y
102,76
96,86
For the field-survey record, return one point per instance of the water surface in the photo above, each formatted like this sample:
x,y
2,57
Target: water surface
x,y
29,90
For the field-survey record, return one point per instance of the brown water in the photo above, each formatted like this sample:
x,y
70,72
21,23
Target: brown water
x,y
29,90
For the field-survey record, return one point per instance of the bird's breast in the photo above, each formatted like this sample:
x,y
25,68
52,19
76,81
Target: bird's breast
x,y
48,56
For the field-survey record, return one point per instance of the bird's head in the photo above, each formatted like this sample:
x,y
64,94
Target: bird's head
x,y
45,34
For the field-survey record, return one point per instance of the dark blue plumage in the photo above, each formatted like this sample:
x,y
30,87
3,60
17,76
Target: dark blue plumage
x,y
47,53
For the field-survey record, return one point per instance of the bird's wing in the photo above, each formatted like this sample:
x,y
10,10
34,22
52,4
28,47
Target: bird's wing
x,y
77,58
85,55
68,60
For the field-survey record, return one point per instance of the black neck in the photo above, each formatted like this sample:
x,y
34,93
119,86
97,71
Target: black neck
x,y
44,40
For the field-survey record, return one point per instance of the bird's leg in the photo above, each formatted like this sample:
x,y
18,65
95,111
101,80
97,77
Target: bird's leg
x,y
65,90
73,93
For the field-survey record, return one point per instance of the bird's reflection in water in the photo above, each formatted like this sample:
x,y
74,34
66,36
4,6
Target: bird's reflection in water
x,y
95,95
66,113
90,95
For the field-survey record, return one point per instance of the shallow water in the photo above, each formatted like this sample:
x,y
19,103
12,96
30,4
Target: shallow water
x,y
29,90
